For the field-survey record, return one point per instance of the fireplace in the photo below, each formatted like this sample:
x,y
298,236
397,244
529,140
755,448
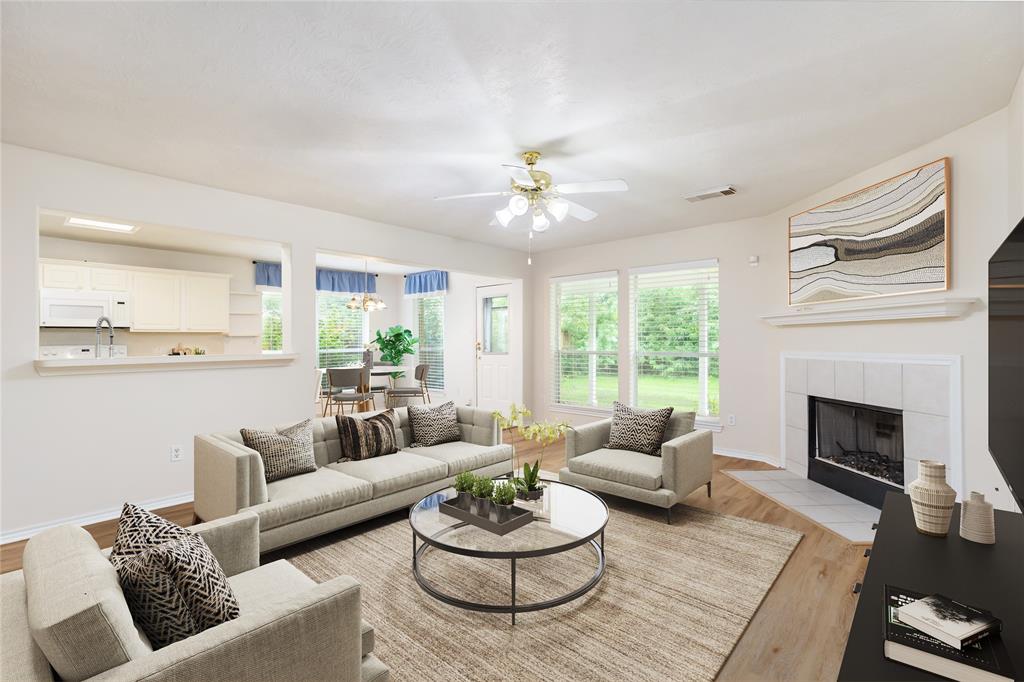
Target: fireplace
x,y
854,448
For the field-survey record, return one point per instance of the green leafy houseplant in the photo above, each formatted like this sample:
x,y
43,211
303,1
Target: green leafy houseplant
x,y
395,344
514,422
528,485
464,482
504,493
482,489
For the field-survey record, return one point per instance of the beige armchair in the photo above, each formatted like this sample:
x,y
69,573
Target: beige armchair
x,y
684,465
64,617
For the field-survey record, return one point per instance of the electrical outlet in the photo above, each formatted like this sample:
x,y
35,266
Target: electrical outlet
x,y
177,453
732,420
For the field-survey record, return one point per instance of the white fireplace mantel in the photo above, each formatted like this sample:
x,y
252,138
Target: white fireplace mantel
x,y
874,311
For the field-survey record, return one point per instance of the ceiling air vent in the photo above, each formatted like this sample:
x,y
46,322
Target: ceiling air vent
x,y
725,191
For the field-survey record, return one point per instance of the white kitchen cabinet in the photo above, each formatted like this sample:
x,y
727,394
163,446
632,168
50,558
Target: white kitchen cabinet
x,y
64,276
156,302
207,303
108,279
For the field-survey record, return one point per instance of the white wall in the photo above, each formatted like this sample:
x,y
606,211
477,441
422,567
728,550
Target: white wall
x,y
1015,113
72,447
750,348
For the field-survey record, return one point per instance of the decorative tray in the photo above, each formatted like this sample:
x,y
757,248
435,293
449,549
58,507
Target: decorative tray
x,y
465,510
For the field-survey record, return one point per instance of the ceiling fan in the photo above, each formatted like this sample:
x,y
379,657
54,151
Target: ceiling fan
x,y
532,191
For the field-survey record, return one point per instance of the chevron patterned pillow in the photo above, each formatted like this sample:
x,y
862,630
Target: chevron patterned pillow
x,y
434,425
370,437
287,452
638,430
173,584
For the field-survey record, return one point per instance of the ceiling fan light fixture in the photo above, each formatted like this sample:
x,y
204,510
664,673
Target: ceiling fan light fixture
x,y
540,221
518,204
559,208
504,216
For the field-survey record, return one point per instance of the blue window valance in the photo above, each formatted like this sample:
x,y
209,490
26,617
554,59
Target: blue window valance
x,y
268,274
426,283
346,281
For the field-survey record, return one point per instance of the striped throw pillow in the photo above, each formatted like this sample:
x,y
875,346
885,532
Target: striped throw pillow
x,y
370,437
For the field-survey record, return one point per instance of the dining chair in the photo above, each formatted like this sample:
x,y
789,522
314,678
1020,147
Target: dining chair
x,y
421,390
347,386
374,389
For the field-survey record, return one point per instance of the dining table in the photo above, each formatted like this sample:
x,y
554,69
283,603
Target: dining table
x,y
378,370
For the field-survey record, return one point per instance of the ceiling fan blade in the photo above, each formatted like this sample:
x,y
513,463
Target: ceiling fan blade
x,y
520,175
615,185
580,212
471,196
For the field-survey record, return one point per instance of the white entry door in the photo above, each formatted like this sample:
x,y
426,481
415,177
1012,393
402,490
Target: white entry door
x,y
499,346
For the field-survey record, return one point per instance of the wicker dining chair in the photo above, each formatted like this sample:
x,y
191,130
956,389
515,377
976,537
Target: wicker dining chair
x,y
420,390
347,386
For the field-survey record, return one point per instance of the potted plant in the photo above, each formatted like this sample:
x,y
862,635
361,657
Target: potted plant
x,y
464,487
503,495
482,489
514,422
528,486
544,433
395,344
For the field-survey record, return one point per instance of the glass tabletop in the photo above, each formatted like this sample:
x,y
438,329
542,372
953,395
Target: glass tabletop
x,y
564,517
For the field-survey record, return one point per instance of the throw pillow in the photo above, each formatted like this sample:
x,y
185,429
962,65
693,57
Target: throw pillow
x,y
173,584
434,425
370,437
285,453
638,430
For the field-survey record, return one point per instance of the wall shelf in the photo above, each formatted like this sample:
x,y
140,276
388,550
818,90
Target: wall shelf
x,y
877,311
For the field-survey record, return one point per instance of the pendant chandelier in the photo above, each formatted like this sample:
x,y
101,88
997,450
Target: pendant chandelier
x,y
366,302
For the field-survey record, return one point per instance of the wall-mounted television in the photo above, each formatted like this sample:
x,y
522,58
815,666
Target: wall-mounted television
x,y
1006,360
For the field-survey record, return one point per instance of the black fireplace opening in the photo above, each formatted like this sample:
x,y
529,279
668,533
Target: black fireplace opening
x,y
854,448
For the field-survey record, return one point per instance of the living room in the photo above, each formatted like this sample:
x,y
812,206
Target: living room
x,y
546,185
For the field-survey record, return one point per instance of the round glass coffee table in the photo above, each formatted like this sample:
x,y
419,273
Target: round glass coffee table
x,y
565,517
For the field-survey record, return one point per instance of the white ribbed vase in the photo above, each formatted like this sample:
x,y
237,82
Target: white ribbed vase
x,y
977,520
932,499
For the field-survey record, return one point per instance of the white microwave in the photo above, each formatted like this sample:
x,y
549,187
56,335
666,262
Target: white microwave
x,y
65,308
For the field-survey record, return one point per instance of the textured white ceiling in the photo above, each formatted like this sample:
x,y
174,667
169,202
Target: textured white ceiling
x,y
372,109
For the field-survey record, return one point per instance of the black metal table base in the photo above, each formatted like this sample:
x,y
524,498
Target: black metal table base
x,y
512,607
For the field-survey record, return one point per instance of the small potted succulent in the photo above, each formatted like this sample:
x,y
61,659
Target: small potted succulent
x,y
464,487
528,486
503,495
482,489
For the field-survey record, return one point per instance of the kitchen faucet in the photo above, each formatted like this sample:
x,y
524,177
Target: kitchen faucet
x,y
110,341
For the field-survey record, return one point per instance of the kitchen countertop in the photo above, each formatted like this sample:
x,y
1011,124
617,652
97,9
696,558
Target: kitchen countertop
x,y
159,363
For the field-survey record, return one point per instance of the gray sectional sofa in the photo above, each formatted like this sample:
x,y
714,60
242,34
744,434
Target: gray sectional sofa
x,y
229,478
65,617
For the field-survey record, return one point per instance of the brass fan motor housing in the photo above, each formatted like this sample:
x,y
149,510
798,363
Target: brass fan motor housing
x,y
542,179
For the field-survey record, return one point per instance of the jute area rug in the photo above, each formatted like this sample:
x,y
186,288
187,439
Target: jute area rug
x,y
673,602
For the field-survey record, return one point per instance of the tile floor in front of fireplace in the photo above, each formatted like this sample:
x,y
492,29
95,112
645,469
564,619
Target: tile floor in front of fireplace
x,y
840,513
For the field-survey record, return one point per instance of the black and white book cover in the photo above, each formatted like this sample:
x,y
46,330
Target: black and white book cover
x,y
985,658
947,620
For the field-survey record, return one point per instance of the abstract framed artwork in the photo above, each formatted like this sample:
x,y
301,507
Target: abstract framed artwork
x,y
887,239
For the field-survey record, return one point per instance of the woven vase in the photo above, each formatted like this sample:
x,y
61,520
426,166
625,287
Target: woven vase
x,y
977,520
932,499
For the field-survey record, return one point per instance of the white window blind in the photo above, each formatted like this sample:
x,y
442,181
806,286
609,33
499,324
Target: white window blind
x,y
674,336
430,349
341,332
585,340
271,338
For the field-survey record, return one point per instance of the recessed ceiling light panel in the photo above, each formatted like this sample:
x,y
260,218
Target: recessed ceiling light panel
x,y
91,224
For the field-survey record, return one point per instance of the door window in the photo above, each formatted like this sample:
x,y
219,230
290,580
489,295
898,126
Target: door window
x,y
495,327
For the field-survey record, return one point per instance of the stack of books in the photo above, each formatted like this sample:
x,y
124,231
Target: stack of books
x,y
944,637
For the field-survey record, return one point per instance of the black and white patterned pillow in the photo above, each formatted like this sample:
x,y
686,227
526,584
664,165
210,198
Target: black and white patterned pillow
x,y
285,453
175,588
638,430
434,425
370,437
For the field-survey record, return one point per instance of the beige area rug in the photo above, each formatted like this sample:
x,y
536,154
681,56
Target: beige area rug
x,y
673,602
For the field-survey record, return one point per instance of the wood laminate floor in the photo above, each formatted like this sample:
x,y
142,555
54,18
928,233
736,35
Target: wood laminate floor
x,y
800,631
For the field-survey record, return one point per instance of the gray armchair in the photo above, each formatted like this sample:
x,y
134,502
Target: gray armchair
x,y
65,612
684,464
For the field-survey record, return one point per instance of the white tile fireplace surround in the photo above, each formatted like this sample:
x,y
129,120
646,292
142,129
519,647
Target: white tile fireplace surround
x,y
927,388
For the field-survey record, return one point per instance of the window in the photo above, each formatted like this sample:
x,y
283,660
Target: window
x,y
271,337
495,327
585,339
341,332
674,337
430,349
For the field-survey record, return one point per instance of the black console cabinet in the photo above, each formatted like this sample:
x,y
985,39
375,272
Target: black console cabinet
x,y
988,576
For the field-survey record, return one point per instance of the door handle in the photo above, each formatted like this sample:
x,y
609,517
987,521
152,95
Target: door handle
x,y
479,347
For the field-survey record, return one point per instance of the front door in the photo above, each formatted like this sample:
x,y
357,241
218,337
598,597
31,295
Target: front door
x,y
499,343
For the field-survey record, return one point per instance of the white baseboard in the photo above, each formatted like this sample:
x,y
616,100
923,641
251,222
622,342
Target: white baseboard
x,y
744,454
86,519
